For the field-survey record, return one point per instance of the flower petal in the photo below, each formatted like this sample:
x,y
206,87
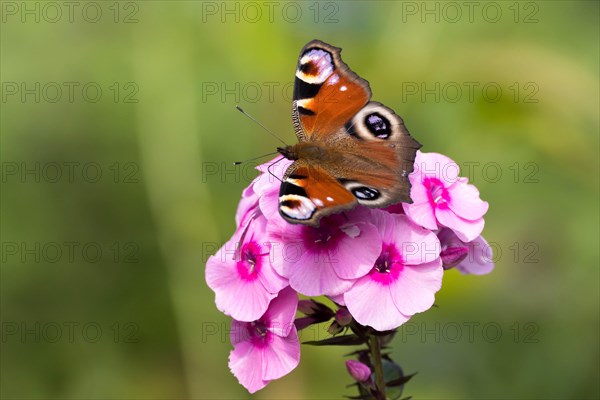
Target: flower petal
x,y
422,214
281,355
385,223
466,230
242,300
359,371
339,299
371,303
314,275
269,203
271,280
418,191
414,290
480,260
465,201
281,312
247,206
245,362
354,257
438,166
417,244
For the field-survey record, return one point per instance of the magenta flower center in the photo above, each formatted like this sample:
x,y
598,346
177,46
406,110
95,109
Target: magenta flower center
x,y
250,261
258,333
388,266
437,193
324,237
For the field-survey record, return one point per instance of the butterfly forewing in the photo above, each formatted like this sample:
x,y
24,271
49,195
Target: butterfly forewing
x,y
326,92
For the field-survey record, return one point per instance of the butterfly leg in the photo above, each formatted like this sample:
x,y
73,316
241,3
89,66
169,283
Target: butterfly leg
x,y
269,169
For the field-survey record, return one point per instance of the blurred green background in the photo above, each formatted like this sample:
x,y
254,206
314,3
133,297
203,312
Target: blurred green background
x,y
118,130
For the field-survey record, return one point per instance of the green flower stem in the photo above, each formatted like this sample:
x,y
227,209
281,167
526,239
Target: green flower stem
x,y
378,365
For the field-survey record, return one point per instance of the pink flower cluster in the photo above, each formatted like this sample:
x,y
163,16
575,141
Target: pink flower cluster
x,y
383,266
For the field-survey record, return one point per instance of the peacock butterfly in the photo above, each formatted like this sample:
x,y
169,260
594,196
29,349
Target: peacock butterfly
x,y
351,150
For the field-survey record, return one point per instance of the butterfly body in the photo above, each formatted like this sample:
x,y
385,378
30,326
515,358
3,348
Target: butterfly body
x,y
351,150
305,150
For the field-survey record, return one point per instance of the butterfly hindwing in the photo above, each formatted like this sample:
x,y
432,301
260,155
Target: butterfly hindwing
x,y
308,192
384,138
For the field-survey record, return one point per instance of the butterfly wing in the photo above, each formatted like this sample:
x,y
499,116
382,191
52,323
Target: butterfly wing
x,y
366,152
326,92
378,154
309,192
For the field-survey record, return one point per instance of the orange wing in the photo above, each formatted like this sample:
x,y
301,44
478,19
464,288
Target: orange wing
x,y
327,94
309,193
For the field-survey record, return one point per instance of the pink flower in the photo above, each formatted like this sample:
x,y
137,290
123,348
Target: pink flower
x,y
475,257
241,274
267,348
403,280
327,260
441,198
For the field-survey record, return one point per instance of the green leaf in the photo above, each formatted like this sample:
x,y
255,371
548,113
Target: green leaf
x,y
400,381
357,352
391,373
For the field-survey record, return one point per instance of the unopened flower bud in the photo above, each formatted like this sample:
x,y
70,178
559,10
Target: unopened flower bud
x,y
304,322
343,317
334,328
452,256
359,371
308,307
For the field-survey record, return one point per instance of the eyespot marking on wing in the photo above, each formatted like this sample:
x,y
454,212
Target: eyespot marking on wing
x,y
296,207
378,125
316,65
366,193
377,122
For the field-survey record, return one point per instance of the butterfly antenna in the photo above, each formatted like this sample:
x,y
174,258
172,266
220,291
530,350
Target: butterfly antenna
x,y
261,125
255,158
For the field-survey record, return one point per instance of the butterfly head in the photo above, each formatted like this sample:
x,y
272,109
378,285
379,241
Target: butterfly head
x,y
288,152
